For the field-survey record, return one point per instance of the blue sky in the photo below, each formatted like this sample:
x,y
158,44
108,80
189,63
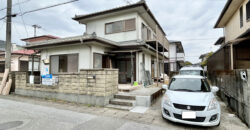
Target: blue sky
x,y
190,21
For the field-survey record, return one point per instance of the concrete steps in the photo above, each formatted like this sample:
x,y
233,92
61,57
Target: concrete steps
x,y
127,97
126,108
122,102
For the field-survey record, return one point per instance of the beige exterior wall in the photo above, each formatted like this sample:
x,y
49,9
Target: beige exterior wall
x,y
232,28
15,61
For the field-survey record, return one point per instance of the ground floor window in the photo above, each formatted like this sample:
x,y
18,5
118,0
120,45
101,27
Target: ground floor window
x,y
64,63
97,60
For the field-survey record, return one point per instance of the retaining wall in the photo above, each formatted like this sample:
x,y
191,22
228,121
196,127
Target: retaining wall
x,y
93,86
234,90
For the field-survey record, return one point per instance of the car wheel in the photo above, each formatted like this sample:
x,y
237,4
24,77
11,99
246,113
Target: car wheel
x,y
218,124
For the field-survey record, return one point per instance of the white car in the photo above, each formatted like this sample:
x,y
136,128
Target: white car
x,y
192,70
190,100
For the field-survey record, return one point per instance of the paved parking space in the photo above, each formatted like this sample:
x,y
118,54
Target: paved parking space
x,y
151,119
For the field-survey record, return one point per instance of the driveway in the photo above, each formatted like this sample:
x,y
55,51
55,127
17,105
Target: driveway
x,y
39,114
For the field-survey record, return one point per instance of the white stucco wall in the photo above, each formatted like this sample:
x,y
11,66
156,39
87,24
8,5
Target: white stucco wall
x,y
139,68
172,52
98,26
85,55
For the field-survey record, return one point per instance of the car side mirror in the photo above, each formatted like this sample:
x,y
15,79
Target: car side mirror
x,y
214,89
164,86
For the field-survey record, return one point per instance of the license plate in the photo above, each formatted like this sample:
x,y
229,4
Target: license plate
x,y
188,115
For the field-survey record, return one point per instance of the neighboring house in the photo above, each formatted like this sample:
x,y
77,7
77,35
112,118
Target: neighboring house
x,y
176,57
19,60
229,66
2,46
30,40
124,38
234,52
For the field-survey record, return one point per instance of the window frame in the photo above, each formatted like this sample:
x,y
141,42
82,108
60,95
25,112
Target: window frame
x,y
77,54
95,53
248,4
123,25
241,17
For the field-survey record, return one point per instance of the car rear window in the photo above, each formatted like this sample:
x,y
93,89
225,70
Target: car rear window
x,y
191,72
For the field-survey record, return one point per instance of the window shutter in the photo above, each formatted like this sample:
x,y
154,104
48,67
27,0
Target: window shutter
x,y
130,25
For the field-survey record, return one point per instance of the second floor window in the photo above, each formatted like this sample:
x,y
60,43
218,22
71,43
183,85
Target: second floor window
x,y
120,26
248,10
241,17
146,33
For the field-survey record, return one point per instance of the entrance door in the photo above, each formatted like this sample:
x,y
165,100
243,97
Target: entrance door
x,y
124,66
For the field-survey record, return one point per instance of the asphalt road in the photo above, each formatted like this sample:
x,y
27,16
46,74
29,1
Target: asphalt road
x,y
25,116
26,113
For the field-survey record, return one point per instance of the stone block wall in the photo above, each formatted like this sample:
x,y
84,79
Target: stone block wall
x,y
234,91
90,86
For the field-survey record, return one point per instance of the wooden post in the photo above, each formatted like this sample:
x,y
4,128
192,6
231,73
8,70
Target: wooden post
x,y
132,68
157,55
232,56
157,63
32,69
163,61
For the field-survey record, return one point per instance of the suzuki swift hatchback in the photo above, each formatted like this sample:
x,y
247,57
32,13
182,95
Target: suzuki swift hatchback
x,y
190,100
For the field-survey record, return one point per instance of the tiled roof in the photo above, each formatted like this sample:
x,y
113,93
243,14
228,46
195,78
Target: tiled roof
x,y
70,39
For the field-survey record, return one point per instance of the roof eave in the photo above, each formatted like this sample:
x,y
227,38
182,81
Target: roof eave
x,y
222,14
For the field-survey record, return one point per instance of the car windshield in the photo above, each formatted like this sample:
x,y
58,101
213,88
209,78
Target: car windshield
x,y
189,85
191,72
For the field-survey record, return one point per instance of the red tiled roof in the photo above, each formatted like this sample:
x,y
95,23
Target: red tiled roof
x,y
24,52
40,38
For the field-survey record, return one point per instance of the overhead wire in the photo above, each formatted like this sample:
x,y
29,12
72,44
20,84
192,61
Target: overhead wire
x,y
15,4
19,35
27,34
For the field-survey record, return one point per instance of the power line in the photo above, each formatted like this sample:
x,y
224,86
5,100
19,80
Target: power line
x,y
2,24
19,35
23,20
20,14
15,4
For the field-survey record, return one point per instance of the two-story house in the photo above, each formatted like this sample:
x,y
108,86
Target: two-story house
x,y
228,67
176,57
234,52
128,38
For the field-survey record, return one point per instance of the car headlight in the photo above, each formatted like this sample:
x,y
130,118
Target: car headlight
x,y
166,100
212,105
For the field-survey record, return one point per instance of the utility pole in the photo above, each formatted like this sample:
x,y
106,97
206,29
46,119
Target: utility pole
x,y
8,36
35,26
